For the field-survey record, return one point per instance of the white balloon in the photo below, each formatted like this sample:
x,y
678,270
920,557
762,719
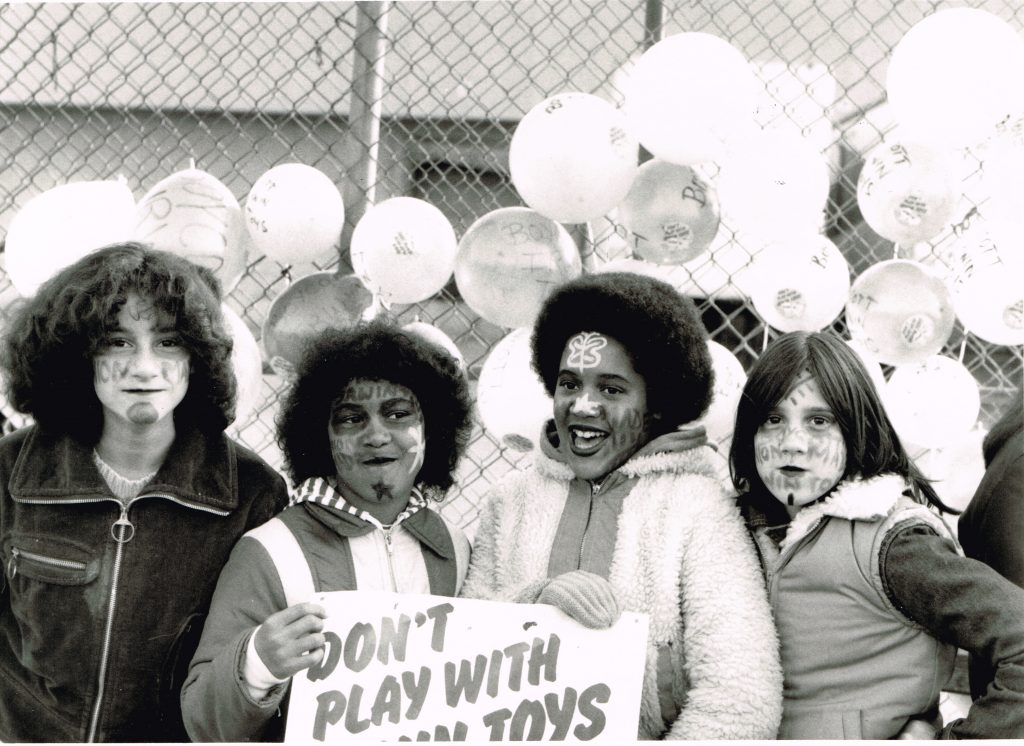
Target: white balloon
x,y
932,403
511,399
873,366
907,191
247,363
688,95
988,292
572,157
774,183
720,419
404,249
801,285
1002,175
295,214
194,215
510,260
61,225
954,75
900,311
435,336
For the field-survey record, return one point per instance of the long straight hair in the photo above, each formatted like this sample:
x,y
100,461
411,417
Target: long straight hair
x,y
872,445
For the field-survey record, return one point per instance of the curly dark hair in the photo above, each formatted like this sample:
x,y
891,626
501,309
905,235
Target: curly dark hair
x,y
377,350
48,348
660,329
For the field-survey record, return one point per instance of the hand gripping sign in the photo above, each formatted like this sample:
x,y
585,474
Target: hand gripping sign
x,y
417,667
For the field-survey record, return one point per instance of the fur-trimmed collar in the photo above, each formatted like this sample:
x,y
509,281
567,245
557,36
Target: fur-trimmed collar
x,y
855,500
702,460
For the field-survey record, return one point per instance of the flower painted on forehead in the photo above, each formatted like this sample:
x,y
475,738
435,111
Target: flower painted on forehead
x,y
584,350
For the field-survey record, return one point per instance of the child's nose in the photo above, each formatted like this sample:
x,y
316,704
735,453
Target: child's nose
x,y
377,434
794,439
585,406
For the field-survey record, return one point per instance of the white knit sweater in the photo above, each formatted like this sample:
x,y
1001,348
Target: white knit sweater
x,y
682,556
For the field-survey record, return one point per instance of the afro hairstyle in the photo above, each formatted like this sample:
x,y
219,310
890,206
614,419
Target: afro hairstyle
x,y
659,328
376,350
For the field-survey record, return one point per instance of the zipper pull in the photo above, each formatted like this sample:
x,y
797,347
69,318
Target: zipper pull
x,y
12,563
387,539
117,530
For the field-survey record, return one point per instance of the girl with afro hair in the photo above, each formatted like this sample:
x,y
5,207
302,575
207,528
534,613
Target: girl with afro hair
x,y
604,520
372,431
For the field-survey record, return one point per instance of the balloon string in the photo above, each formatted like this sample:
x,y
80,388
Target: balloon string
x,y
192,163
963,345
764,339
895,250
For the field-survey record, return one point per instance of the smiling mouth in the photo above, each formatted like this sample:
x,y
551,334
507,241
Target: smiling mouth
x,y
586,440
379,461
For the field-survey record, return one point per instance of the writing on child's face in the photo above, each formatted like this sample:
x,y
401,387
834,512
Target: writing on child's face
x,y
141,367
376,432
600,405
799,449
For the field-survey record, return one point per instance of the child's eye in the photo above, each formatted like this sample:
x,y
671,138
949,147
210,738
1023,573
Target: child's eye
x,y
346,420
773,419
567,385
821,420
611,390
398,414
115,343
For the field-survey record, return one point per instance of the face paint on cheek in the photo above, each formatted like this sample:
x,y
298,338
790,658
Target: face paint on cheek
x,y
174,371
415,433
108,371
342,451
584,350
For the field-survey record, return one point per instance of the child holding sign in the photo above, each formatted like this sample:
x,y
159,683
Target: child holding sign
x,y
601,523
870,594
372,431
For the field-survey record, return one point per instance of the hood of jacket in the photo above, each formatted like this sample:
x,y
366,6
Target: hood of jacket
x,y
703,460
854,499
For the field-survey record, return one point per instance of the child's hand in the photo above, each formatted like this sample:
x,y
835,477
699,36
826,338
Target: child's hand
x,y
586,597
681,439
291,640
917,729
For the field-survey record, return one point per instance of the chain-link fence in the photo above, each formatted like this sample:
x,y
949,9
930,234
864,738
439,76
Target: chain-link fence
x,y
94,91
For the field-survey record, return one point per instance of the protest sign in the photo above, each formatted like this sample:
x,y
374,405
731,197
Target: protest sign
x,y
404,667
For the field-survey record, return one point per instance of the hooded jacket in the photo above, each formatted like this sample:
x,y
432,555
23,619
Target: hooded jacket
x,y
103,603
871,599
680,554
216,701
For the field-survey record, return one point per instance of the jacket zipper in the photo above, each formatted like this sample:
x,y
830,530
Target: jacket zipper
x,y
12,563
117,531
389,548
595,488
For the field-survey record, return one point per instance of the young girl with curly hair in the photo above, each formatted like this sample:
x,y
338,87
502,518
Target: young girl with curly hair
x,y
120,505
372,431
601,522
870,594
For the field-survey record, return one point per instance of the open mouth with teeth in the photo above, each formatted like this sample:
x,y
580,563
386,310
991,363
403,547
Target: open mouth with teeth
x,y
379,461
586,440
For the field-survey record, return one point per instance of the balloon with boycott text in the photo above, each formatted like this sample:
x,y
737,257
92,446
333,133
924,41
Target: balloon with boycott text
x,y
416,667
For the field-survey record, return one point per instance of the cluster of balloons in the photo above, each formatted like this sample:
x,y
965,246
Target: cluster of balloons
x,y
293,213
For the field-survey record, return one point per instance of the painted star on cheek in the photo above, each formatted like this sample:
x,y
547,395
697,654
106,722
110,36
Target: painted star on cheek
x,y
416,433
585,406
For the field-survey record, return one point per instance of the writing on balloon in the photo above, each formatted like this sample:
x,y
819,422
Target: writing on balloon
x,y
518,234
696,190
200,216
879,168
403,244
553,106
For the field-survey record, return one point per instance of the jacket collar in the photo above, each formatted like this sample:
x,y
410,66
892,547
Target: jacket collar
x,y
854,500
702,460
199,469
426,525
